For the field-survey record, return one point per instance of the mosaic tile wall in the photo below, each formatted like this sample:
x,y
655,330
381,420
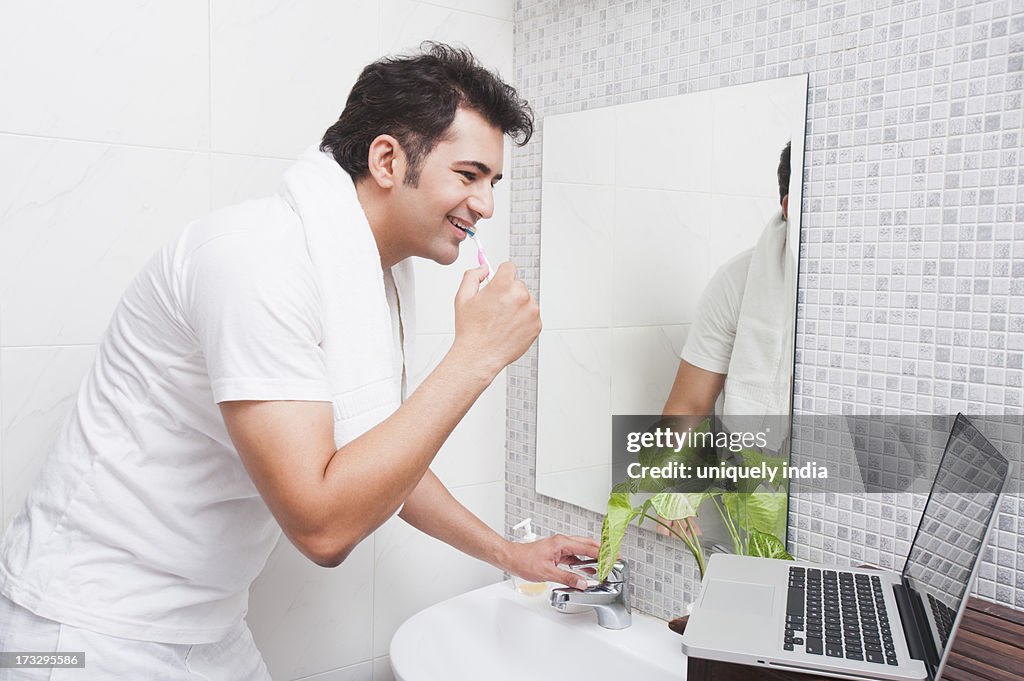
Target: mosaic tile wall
x,y
912,263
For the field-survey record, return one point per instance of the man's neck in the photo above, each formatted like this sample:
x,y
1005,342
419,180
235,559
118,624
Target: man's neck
x,y
371,200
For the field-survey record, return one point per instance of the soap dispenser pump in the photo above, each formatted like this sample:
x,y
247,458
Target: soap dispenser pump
x,y
525,527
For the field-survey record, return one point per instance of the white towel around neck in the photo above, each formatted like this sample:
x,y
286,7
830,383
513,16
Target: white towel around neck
x,y
758,380
358,326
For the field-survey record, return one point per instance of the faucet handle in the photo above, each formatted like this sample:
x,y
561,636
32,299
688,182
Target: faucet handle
x,y
610,599
587,568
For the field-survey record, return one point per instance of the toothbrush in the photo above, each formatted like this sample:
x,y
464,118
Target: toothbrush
x,y
481,256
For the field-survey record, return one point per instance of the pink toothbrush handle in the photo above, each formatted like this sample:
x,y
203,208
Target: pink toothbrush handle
x,y
482,259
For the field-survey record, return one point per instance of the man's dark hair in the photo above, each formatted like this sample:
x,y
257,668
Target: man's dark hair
x,y
783,171
415,99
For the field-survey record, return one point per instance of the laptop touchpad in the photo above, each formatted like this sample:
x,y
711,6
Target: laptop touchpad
x,y
739,598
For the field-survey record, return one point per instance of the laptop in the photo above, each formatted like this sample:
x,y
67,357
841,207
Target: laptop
x,y
860,623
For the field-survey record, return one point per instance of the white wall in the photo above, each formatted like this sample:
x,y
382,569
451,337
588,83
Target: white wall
x,y
121,122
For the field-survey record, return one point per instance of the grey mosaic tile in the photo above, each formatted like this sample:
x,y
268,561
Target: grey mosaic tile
x,y
911,295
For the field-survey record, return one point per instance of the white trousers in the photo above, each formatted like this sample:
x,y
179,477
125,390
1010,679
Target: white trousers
x,y
109,658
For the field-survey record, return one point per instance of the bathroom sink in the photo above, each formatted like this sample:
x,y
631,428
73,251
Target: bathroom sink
x,y
498,634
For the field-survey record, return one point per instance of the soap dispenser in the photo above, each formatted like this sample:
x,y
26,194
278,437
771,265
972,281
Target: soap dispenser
x,y
527,536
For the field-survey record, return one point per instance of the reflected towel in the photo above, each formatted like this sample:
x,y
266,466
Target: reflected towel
x,y
758,380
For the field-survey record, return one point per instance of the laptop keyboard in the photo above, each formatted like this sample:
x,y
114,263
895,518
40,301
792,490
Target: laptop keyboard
x,y
944,616
838,614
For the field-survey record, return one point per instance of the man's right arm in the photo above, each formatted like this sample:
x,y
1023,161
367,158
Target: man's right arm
x,y
327,500
694,392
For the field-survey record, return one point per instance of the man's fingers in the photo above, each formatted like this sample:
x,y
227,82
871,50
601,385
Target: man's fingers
x,y
471,281
567,578
506,270
570,547
581,546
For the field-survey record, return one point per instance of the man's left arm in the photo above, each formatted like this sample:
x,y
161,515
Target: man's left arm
x,y
432,509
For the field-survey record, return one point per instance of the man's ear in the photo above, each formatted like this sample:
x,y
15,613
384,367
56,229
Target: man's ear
x,y
785,207
386,161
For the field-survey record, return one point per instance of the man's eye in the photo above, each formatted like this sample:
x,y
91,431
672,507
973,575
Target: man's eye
x,y
467,174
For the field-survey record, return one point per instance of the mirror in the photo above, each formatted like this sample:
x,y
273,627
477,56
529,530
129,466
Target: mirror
x,y
644,205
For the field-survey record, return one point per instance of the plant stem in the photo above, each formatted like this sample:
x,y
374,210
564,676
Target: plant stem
x,y
694,545
737,543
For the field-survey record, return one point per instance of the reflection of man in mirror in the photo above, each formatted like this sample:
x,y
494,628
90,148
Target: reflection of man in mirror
x,y
740,338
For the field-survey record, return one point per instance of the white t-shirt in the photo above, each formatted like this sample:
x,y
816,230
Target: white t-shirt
x,y
709,344
144,523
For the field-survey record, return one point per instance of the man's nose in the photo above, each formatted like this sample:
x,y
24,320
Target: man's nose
x,y
481,203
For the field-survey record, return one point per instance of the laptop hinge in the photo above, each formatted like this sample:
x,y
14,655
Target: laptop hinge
x,y
910,617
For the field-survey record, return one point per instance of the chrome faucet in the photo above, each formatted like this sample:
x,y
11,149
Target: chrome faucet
x,y
610,598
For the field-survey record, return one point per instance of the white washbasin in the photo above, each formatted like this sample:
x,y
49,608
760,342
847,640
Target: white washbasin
x,y
497,634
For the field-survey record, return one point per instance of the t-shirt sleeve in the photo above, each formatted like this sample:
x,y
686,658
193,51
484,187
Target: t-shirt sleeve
x,y
254,307
713,334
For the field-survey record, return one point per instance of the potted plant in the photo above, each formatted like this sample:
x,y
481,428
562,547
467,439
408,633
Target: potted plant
x,y
752,510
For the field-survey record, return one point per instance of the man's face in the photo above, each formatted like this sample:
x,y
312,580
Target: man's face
x,y
455,188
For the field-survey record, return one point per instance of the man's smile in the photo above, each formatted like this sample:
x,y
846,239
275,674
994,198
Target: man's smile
x,y
461,226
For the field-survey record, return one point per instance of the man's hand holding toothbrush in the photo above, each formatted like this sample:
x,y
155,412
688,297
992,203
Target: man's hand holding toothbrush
x,y
496,324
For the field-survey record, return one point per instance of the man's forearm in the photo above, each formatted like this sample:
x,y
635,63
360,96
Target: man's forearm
x,y
432,509
328,500
381,469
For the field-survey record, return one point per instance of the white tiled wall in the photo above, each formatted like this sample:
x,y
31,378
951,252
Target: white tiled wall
x,y
123,121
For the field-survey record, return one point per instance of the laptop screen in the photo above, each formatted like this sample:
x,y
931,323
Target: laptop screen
x,y
956,518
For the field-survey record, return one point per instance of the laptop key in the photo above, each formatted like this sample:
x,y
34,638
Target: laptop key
x,y
874,656
854,655
834,651
795,602
787,646
814,646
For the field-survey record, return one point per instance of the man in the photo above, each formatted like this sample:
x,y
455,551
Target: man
x,y
252,379
756,368
707,358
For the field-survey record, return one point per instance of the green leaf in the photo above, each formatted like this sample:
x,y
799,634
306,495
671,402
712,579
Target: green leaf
x,y
766,545
617,518
660,457
753,458
672,506
642,511
761,511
